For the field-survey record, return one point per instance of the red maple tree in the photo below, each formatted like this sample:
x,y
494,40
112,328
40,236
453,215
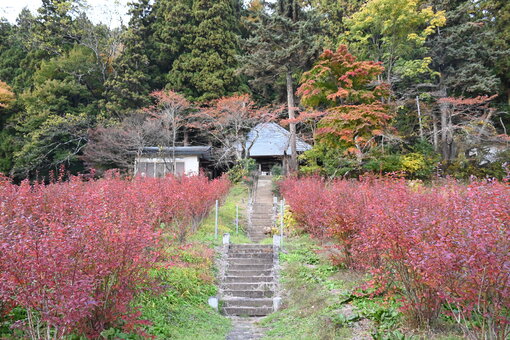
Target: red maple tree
x,y
351,98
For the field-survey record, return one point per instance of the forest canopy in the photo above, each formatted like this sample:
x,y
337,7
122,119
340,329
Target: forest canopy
x,y
418,87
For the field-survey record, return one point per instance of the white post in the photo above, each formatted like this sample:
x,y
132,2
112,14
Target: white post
x,y
216,222
237,219
226,238
282,212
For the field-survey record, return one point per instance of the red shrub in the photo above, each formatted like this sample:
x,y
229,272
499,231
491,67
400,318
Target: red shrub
x,y
447,244
75,253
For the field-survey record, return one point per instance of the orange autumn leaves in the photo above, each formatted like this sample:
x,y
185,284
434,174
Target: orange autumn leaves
x,y
351,98
6,95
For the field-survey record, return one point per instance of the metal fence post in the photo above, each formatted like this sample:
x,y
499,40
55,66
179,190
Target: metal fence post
x,y
237,219
216,222
282,213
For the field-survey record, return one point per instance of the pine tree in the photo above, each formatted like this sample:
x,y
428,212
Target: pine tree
x,y
467,67
129,86
283,42
205,45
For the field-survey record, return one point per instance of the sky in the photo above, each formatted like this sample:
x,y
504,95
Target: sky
x,y
110,12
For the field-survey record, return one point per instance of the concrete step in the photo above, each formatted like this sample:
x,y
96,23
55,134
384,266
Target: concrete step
x,y
248,293
258,235
261,211
269,286
250,251
262,222
247,246
248,279
265,266
241,260
240,255
249,273
257,238
260,216
247,302
247,311
260,230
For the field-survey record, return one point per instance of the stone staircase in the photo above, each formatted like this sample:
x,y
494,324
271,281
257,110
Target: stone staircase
x,y
262,210
248,286
249,281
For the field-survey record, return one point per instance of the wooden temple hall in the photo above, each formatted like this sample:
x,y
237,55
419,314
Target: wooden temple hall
x,y
269,145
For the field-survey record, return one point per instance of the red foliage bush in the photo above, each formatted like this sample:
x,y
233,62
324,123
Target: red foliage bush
x,y
75,253
446,244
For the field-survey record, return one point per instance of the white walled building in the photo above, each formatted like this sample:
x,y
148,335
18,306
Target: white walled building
x,y
157,161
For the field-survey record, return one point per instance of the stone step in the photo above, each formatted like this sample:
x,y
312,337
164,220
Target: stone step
x,y
266,266
261,213
246,246
248,293
260,217
261,222
247,302
245,261
258,238
247,279
249,273
260,230
269,286
248,311
240,255
251,250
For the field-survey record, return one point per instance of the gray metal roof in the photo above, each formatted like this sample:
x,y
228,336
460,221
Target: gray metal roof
x,y
270,139
203,151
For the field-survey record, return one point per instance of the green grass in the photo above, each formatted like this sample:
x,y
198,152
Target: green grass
x,y
226,219
319,302
309,306
181,310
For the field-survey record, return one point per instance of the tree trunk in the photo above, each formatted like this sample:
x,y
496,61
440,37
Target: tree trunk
x,y
435,132
292,125
446,141
185,141
419,116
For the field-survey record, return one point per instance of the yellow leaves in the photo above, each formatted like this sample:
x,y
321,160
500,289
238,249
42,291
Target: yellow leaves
x,y
413,162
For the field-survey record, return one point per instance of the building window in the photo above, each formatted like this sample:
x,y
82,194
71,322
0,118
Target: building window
x,y
152,169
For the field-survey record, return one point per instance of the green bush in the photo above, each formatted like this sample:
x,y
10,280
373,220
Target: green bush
x,y
242,170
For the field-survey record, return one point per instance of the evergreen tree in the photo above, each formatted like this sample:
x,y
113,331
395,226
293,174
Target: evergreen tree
x,y
467,67
283,42
205,47
333,15
129,86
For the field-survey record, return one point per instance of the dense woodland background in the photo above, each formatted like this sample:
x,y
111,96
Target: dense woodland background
x,y
86,95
